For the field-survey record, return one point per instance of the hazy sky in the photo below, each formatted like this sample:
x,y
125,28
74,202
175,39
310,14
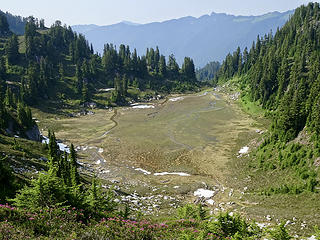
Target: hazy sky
x,y
105,12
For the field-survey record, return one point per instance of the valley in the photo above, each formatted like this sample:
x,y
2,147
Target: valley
x,y
124,145
190,148
170,147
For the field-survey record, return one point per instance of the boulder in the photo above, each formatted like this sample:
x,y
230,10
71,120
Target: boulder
x,y
34,134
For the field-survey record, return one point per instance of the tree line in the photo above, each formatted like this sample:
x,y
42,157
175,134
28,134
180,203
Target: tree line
x,y
35,66
282,73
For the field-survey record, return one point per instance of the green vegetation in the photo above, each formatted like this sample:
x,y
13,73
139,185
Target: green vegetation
x,y
4,25
7,181
280,75
58,205
56,67
73,223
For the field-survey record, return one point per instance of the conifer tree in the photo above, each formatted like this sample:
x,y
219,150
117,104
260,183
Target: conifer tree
x,y
3,72
124,85
173,67
75,177
9,99
4,26
22,115
85,93
53,152
12,50
162,66
188,70
98,200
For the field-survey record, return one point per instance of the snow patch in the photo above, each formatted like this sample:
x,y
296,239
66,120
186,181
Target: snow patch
x,y
244,150
63,147
210,201
261,225
312,238
142,106
173,173
176,99
106,90
203,94
203,193
145,172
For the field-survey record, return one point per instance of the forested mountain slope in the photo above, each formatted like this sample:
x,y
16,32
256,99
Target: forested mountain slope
x,y
205,39
281,74
16,23
208,72
56,64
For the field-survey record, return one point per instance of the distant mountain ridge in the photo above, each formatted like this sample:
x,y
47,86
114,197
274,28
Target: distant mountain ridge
x,y
207,38
16,23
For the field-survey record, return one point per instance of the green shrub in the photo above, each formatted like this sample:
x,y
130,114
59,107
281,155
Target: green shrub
x,y
279,233
227,225
191,211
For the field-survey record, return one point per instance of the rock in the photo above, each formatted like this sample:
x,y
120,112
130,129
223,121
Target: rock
x,y
317,162
312,238
288,223
43,159
34,134
231,193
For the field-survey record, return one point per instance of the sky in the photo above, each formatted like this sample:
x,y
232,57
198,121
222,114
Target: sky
x,y
106,12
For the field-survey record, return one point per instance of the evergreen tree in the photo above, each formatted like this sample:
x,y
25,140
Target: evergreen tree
x,y
98,200
85,93
3,72
41,24
22,115
12,50
124,85
53,152
75,177
4,26
162,66
9,98
188,70
173,67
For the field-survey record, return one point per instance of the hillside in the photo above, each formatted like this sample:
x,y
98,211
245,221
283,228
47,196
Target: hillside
x,y
280,75
134,147
205,39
